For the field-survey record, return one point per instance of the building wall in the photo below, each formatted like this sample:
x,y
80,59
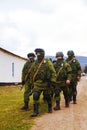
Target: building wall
x,y
8,73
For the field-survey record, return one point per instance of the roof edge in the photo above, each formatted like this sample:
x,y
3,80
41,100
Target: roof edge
x,y
10,53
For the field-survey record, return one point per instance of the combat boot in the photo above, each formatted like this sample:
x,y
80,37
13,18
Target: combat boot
x,y
74,102
74,99
35,113
66,103
70,98
25,107
57,107
49,108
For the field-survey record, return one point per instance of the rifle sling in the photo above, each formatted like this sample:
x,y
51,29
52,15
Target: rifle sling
x,y
71,60
37,69
59,71
29,70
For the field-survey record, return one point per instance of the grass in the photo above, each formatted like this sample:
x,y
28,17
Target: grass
x,y
11,117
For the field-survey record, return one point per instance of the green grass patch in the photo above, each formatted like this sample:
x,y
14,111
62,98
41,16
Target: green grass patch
x,y
11,117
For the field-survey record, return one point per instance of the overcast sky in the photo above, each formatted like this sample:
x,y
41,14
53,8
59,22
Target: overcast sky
x,y
54,25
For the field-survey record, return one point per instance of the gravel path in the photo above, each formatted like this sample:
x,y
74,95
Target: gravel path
x,y
72,118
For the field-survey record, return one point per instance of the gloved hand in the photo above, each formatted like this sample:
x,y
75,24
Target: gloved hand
x,y
53,84
31,86
23,82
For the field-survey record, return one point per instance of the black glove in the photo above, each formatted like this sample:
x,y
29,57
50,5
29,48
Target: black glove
x,y
31,86
23,82
53,84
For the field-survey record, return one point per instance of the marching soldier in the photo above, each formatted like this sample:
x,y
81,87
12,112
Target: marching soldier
x,y
42,76
26,80
63,71
76,74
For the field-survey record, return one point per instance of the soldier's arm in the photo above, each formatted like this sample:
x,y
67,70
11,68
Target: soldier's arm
x,y
52,71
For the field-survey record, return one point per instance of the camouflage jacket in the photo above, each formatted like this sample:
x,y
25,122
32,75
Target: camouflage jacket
x,y
45,73
63,70
76,68
25,70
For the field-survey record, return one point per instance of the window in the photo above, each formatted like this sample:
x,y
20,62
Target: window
x,y
12,69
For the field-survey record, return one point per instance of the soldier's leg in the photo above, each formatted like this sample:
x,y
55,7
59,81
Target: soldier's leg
x,y
52,93
49,100
36,97
74,94
66,95
70,92
26,98
44,96
45,92
57,98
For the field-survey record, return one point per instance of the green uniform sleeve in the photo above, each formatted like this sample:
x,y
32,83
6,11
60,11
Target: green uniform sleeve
x,y
69,70
78,68
52,70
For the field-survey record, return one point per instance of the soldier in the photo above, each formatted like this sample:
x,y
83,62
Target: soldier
x,y
76,74
25,79
63,71
43,76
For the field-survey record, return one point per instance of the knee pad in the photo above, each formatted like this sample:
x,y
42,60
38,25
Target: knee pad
x,y
36,95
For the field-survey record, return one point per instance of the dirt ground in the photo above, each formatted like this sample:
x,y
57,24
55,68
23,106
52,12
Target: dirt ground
x,y
72,118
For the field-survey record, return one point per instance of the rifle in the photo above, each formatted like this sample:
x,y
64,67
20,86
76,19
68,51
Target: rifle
x,y
48,87
31,92
61,83
23,83
21,87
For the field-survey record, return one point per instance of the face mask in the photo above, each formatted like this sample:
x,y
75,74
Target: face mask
x,y
70,57
31,59
40,56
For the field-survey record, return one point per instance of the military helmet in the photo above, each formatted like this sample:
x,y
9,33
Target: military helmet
x,y
59,54
70,53
39,50
30,54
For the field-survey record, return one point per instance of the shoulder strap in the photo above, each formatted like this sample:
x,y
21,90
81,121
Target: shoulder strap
x,y
38,69
64,63
59,71
72,60
29,70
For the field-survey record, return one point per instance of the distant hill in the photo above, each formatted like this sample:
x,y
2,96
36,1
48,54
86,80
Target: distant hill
x,y
82,60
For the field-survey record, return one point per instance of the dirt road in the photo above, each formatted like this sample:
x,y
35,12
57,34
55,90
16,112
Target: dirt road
x,y
72,118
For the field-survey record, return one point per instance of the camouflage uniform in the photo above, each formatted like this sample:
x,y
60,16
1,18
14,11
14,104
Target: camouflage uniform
x,y
26,82
76,74
45,91
43,73
63,71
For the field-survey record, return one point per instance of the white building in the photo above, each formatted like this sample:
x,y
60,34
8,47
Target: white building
x,y
11,66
